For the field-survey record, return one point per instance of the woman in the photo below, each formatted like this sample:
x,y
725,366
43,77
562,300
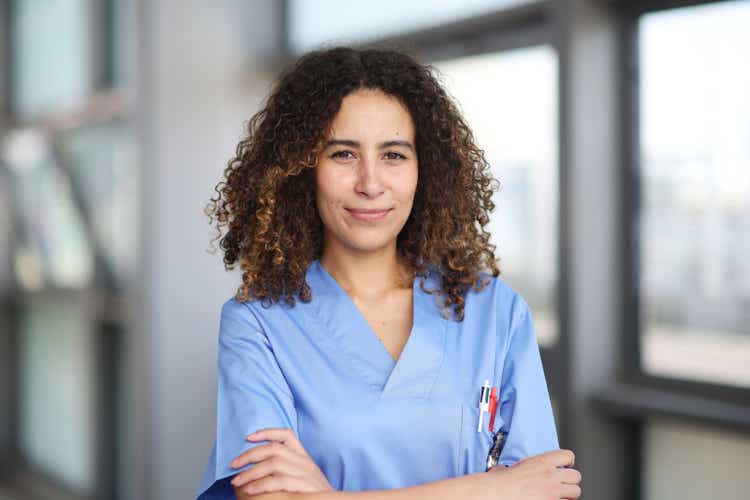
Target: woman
x,y
370,311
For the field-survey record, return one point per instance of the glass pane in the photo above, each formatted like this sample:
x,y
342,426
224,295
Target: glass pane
x,y
51,54
101,159
510,101
312,23
695,209
56,394
53,248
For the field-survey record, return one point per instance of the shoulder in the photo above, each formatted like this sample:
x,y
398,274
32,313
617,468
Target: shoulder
x,y
238,318
498,291
252,310
499,300
252,314
234,309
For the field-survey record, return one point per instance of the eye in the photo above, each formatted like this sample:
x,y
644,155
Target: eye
x,y
395,156
341,154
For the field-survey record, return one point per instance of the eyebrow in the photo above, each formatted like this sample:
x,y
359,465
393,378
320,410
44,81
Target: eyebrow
x,y
357,144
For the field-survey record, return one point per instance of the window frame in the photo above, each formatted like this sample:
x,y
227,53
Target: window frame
x,y
105,304
639,394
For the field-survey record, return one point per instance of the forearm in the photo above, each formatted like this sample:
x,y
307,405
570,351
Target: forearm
x,y
467,487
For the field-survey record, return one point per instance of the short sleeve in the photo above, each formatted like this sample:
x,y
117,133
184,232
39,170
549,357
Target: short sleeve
x,y
252,394
525,405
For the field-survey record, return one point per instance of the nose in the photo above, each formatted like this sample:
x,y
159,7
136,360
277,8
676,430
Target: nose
x,y
369,182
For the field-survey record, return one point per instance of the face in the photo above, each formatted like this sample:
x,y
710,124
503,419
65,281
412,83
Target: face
x,y
366,176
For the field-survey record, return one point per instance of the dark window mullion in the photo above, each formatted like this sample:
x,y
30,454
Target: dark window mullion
x,y
107,349
101,47
563,385
5,62
630,335
514,28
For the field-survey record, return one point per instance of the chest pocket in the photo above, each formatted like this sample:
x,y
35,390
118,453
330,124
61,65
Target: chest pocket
x,y
474,446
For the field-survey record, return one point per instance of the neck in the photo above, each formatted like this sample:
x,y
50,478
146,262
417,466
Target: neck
x,y
368,275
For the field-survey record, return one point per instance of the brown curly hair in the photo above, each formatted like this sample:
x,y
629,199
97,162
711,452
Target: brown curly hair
x,y
267,199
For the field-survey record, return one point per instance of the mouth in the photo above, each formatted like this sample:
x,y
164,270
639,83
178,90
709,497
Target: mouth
x,y
368,214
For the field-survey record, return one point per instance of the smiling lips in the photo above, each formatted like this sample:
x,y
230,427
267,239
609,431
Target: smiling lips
x,y
369,215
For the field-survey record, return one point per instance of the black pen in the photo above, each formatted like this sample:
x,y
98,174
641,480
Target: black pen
x,y
498,440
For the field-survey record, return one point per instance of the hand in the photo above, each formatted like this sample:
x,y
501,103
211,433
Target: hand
x,y
281,465
548,476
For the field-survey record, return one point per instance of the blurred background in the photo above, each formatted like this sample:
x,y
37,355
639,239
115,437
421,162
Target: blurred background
x,y
619,131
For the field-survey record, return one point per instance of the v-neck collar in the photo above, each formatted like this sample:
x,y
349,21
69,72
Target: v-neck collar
x,y
415,371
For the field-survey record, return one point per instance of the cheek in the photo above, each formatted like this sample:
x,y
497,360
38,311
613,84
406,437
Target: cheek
x,y
327,191
408,187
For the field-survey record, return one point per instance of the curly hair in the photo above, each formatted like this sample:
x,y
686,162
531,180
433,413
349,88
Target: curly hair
x,y
267,197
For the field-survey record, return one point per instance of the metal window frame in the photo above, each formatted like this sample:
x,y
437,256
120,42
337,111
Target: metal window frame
x,y
5,62
104,304
641,395
104,312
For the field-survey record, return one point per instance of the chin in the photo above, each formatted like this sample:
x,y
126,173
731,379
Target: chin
x,y
369,244
371,247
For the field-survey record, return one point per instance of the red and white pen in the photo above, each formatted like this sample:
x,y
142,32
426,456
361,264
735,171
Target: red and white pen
x,y
493,408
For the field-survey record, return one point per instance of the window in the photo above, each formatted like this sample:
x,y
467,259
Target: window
x,y
694,207
50,46
52,248
332,21
510,100
56,410
68,189
100,158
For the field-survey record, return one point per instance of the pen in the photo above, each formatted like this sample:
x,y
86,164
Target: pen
x,y
498,440
484,403
493,408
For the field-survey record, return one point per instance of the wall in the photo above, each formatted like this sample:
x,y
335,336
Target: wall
x,y
195,93
691,462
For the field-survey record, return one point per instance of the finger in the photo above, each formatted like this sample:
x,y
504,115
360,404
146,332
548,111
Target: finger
x,y
265,451
272,466
570,476
559,458
280,434
257,471
571,491
270,484
266,484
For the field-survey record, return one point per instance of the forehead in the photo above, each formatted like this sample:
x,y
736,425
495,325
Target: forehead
x,y
372,112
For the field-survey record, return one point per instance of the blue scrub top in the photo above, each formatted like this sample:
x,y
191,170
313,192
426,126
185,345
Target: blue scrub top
x,y
367,421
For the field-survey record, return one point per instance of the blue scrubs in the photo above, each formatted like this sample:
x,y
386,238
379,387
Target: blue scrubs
x,y
370,422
